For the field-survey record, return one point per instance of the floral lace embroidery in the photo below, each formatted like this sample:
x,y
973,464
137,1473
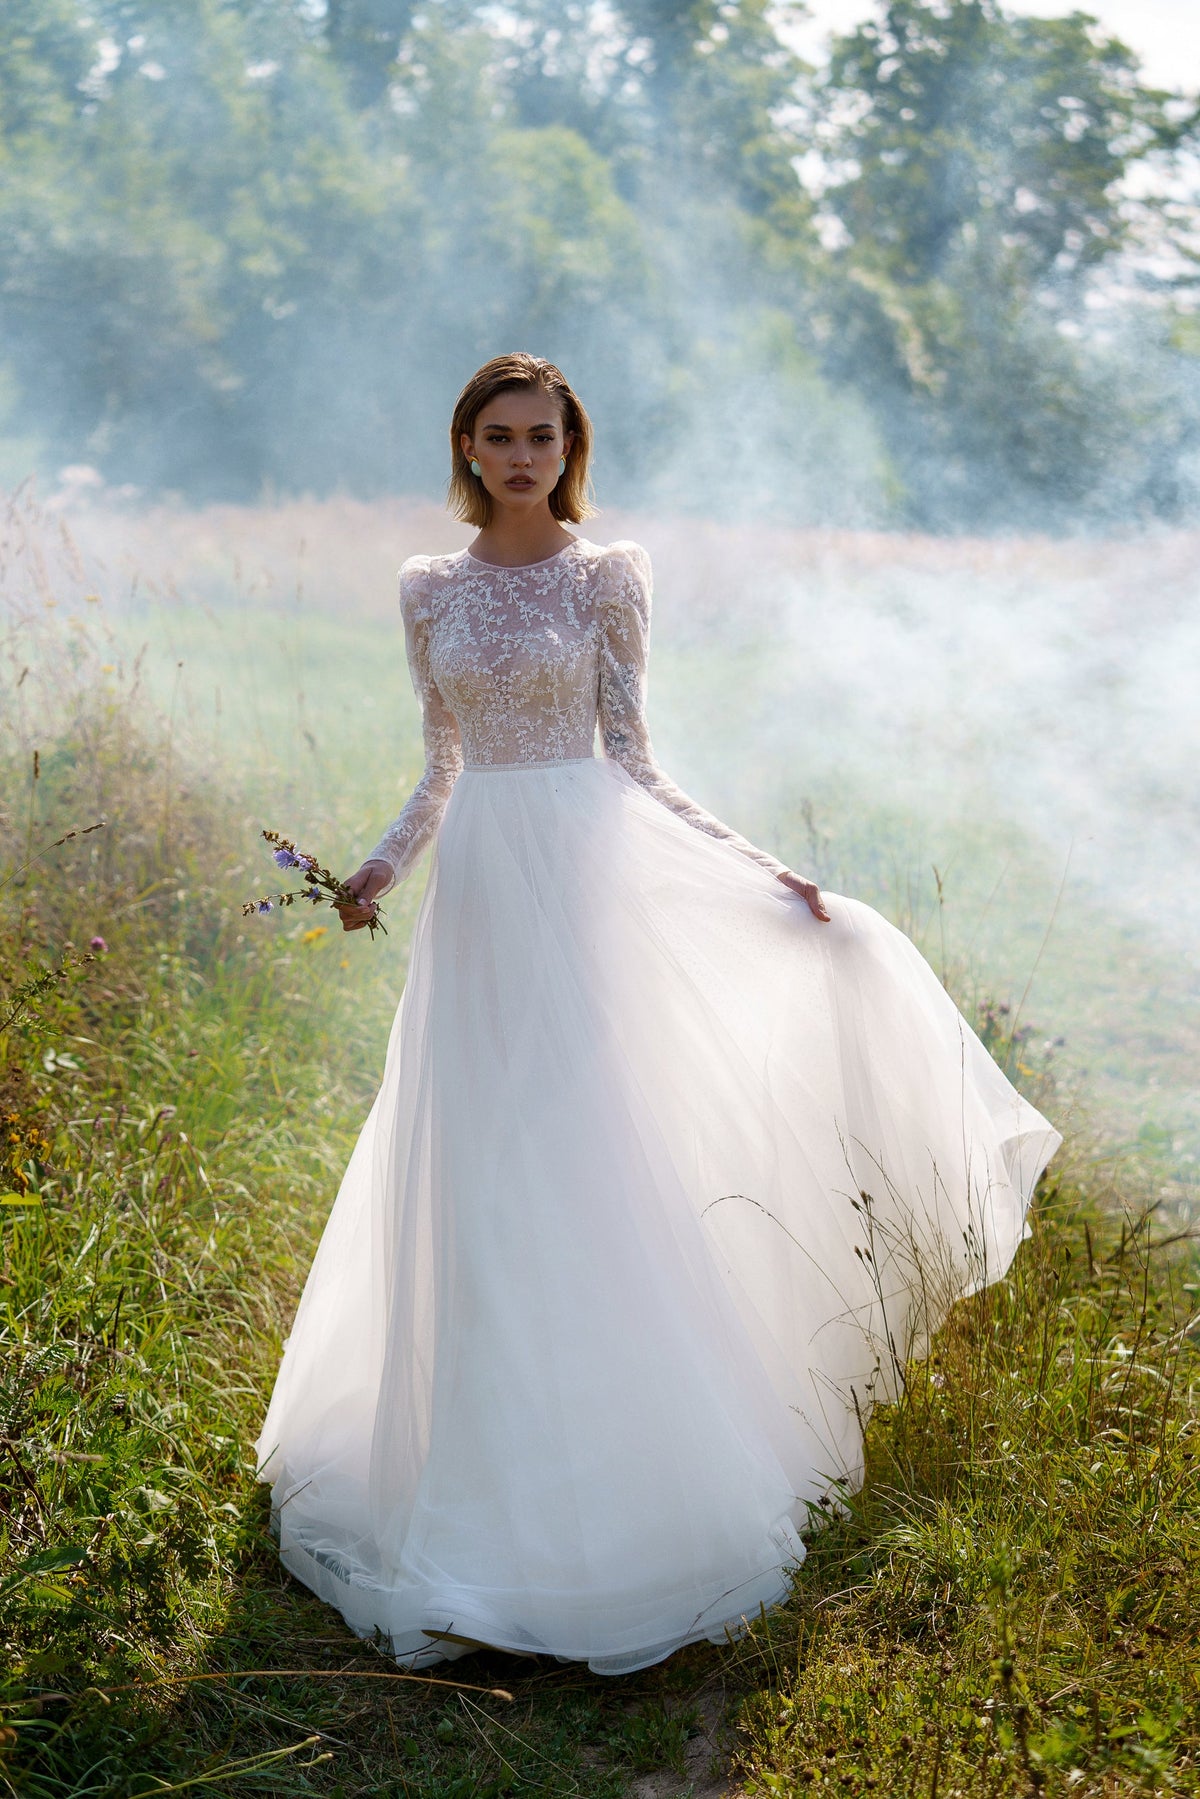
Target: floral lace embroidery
x,y
518,665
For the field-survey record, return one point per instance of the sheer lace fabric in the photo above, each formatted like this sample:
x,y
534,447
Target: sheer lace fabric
x,y
518,666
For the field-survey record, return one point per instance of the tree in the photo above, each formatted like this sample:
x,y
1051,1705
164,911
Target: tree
x,y
171,232
981,156
965,121
364,37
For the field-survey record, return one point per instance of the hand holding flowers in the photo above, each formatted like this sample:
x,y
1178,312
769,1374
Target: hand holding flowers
x,y
362,886
353,900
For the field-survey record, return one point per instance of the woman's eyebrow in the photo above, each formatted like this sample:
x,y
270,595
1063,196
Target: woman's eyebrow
x,y
545,427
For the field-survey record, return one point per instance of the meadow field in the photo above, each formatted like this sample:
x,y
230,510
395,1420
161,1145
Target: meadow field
x,y
993,742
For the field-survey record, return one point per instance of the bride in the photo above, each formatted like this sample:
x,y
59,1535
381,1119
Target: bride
x,y
673,1162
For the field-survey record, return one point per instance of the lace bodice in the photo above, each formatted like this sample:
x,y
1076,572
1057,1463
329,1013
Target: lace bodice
x,y
519,665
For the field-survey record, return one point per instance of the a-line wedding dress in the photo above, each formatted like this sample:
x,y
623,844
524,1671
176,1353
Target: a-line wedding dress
x,y
662,1177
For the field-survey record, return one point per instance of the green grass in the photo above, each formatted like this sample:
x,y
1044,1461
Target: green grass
x,y
1010,1605
1011,1602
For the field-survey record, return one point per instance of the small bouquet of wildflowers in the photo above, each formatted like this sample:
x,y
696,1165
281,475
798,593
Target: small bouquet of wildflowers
x,y
321,885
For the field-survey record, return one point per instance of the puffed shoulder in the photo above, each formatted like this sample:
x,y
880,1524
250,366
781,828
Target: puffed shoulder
x,y
626,578
625,558
415,584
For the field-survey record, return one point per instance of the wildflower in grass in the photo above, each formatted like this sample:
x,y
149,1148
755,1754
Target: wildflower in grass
x,y
24,1145
315,935
98,944
322,885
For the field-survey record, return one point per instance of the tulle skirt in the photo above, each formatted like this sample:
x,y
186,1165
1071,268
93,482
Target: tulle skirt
x,y
663,1180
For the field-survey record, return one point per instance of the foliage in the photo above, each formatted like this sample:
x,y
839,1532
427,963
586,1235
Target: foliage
x,y
261,245
969,122
982,155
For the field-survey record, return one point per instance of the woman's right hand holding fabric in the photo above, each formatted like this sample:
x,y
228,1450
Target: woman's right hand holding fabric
x,y
809,892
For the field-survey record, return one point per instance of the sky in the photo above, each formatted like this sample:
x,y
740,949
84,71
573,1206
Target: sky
x,y
1164,33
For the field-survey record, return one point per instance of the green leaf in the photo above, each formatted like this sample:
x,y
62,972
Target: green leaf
x,y
64,1555
47,1590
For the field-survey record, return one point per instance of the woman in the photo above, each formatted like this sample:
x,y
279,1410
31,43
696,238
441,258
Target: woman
x,y
672,1164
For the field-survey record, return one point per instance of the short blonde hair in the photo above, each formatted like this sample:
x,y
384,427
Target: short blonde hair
x,y
468,499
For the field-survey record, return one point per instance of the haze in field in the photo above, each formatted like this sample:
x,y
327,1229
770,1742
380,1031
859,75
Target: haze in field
x,y
1010,718
895,368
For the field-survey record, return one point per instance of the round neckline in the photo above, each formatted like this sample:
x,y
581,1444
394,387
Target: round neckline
x,y
519,568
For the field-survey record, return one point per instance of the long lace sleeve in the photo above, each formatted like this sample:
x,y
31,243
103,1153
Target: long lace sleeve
x,y
417,824
621,703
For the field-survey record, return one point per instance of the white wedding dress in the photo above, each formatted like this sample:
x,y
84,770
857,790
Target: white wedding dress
x,y
662,1177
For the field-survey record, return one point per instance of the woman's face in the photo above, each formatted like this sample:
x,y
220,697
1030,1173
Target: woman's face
x,y
517,442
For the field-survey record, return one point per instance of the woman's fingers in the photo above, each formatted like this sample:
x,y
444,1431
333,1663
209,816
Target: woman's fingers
x,y
810,893
816,904
368,881
355,916
363,883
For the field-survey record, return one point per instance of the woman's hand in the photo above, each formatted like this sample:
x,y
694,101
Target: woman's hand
x,y
365,884
809,892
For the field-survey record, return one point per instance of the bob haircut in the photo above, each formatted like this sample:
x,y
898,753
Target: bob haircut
x,y
468,499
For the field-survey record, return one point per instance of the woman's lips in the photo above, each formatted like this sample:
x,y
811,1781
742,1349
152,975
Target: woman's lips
x,y
520,481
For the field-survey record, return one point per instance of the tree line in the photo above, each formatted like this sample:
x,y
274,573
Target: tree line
x,y
255,246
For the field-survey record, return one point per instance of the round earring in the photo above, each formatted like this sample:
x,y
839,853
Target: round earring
x,y
562,465
475,468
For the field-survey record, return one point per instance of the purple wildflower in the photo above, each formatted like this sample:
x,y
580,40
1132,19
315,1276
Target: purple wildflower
x,y
285,859
265,906
307,863
99,945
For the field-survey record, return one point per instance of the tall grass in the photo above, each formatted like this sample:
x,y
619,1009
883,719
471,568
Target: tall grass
x,y
1010,1605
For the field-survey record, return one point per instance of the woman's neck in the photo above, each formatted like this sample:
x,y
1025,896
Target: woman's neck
x,y
511,539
